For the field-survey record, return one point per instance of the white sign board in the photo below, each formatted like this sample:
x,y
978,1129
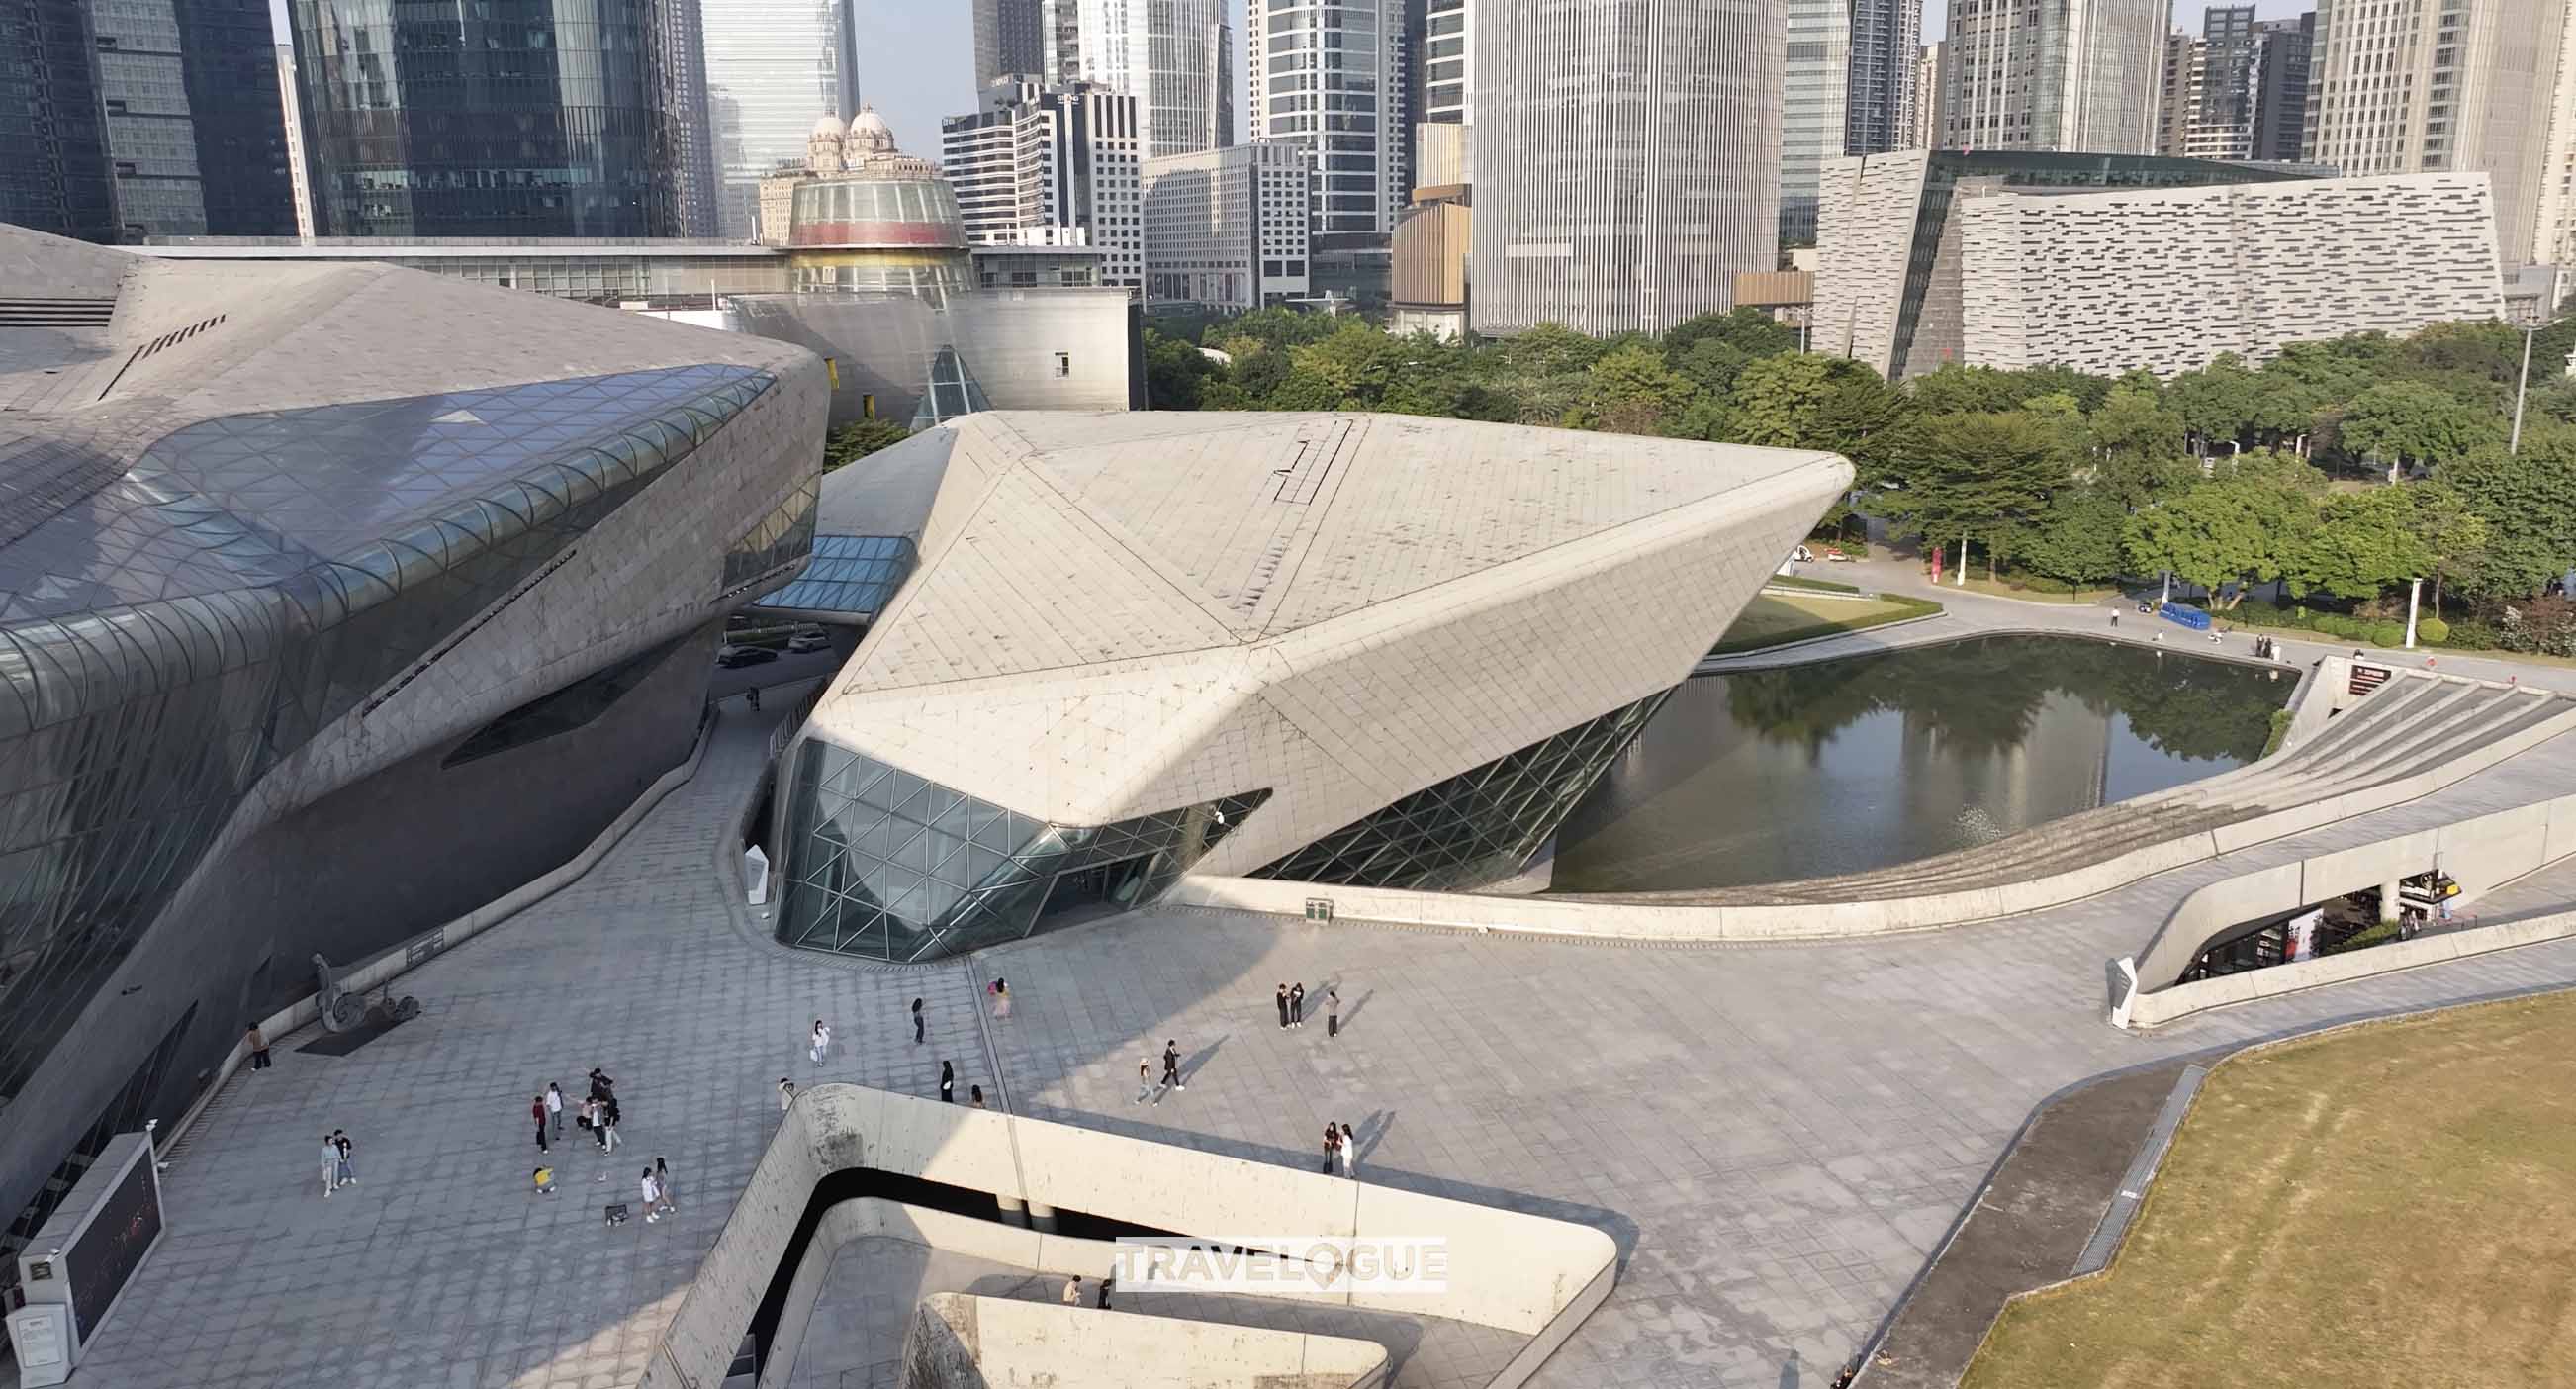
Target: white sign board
x,y
755,874
42,1334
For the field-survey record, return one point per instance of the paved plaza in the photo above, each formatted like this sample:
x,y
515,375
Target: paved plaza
x,y
1777,1136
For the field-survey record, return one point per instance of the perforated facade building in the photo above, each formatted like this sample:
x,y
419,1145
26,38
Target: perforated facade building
x,y
1334,648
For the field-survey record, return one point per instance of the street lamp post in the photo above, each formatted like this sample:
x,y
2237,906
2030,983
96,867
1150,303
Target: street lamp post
x,y
2522,389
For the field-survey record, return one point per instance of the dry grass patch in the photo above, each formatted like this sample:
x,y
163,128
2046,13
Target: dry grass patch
x,y
2390,1205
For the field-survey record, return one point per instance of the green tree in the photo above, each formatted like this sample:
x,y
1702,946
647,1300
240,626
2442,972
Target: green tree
x,y
2137,445
1749,331
2077,538
1280,328
2409,422
1958,390
1984,476
1548,349
2526,503
2362,543
859,438
2228,529
1776,400
1175,372
1633,392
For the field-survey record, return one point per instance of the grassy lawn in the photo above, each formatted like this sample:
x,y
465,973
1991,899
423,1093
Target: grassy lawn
x,y
2006,588
1773,618
2391,1205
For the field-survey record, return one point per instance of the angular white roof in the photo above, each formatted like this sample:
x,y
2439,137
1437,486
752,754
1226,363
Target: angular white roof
x,y
1117,614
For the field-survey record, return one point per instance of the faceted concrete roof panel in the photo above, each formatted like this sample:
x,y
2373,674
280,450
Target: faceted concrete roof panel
x,y
1286,520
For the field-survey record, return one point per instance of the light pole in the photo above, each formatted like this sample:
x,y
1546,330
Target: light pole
x,y
2524,388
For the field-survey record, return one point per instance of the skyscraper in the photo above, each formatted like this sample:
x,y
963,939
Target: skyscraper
x,y
2451,86
2281,104
1885,35
299,186
1927,101
1174,56
771,68
516,118
1010,40
1815,89
53,132
1038,160
2210,88
2076,75
1333,82
142,118
1626,156
684,49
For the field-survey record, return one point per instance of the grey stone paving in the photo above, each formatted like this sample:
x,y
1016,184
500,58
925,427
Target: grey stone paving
x,y
1777,1135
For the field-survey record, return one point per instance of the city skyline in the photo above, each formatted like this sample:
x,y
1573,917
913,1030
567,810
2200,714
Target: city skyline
x,y
917,65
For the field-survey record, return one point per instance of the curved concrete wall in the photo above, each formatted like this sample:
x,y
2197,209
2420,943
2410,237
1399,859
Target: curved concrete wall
x,y
960,1342
1520,1273
2183,1000
1647,920
2481,853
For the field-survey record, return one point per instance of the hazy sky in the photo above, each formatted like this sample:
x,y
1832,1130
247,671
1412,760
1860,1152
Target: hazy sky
x,y
917,61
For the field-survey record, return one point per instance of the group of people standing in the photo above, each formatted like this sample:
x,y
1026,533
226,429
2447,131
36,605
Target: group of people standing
x,y
337,1170
597,1113
1292,1008
1341,1146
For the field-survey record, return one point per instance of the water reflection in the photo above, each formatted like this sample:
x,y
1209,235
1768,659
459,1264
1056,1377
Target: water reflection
x,y
1857,764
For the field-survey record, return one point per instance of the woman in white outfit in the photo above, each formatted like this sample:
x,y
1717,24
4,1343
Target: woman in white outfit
x,y
822,1042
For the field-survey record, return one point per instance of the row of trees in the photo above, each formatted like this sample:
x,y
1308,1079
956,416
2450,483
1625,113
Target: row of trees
x,y
2341,468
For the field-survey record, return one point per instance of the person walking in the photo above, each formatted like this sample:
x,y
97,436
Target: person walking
x,y
1332,1148
554,1107
348,1169
1283,1007
1144,1081
1297,1004
1332,1013
652,1193
822,1037
537,1112
662,1183
1350,1152
947,1083
330,1166
258,1042
608,1124
1001,997
786,1094
919,1028
752,696
1172,1065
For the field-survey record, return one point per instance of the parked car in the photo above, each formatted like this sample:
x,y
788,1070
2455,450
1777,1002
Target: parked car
x,y
730,656
811,639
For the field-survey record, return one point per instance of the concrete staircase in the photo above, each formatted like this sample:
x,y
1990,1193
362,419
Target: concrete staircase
x,y
2410,736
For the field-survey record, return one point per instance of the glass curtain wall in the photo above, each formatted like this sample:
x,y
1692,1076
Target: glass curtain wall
x,y
507,118
884,865
771,68
1477,827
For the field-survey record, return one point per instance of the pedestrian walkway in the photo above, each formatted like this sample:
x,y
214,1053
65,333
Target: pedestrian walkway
x,y
1777,1136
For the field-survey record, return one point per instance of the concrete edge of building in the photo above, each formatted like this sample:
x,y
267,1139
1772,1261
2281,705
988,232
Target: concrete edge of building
x,y
871,1217
399,959
1526,1274
960,1340
2482,853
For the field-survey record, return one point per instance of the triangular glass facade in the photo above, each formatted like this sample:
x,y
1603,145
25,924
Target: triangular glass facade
x,y
882,864
1477,827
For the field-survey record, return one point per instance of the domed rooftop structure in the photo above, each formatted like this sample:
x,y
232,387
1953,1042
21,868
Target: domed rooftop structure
x,y
823,150
826,127
869,134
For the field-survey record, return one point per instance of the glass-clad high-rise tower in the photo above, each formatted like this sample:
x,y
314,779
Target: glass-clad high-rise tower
x,y
1627,159
516,118
1174,56
772,67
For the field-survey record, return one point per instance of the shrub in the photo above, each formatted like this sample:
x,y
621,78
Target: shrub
x,y
2469,634
2387,635
2333,625
2433,631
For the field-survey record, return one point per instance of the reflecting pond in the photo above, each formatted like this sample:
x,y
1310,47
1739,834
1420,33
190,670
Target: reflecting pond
x,y
1855,764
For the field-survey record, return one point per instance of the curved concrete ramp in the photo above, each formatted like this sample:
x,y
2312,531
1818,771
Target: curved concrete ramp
x,y
1524,1274
961,1342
